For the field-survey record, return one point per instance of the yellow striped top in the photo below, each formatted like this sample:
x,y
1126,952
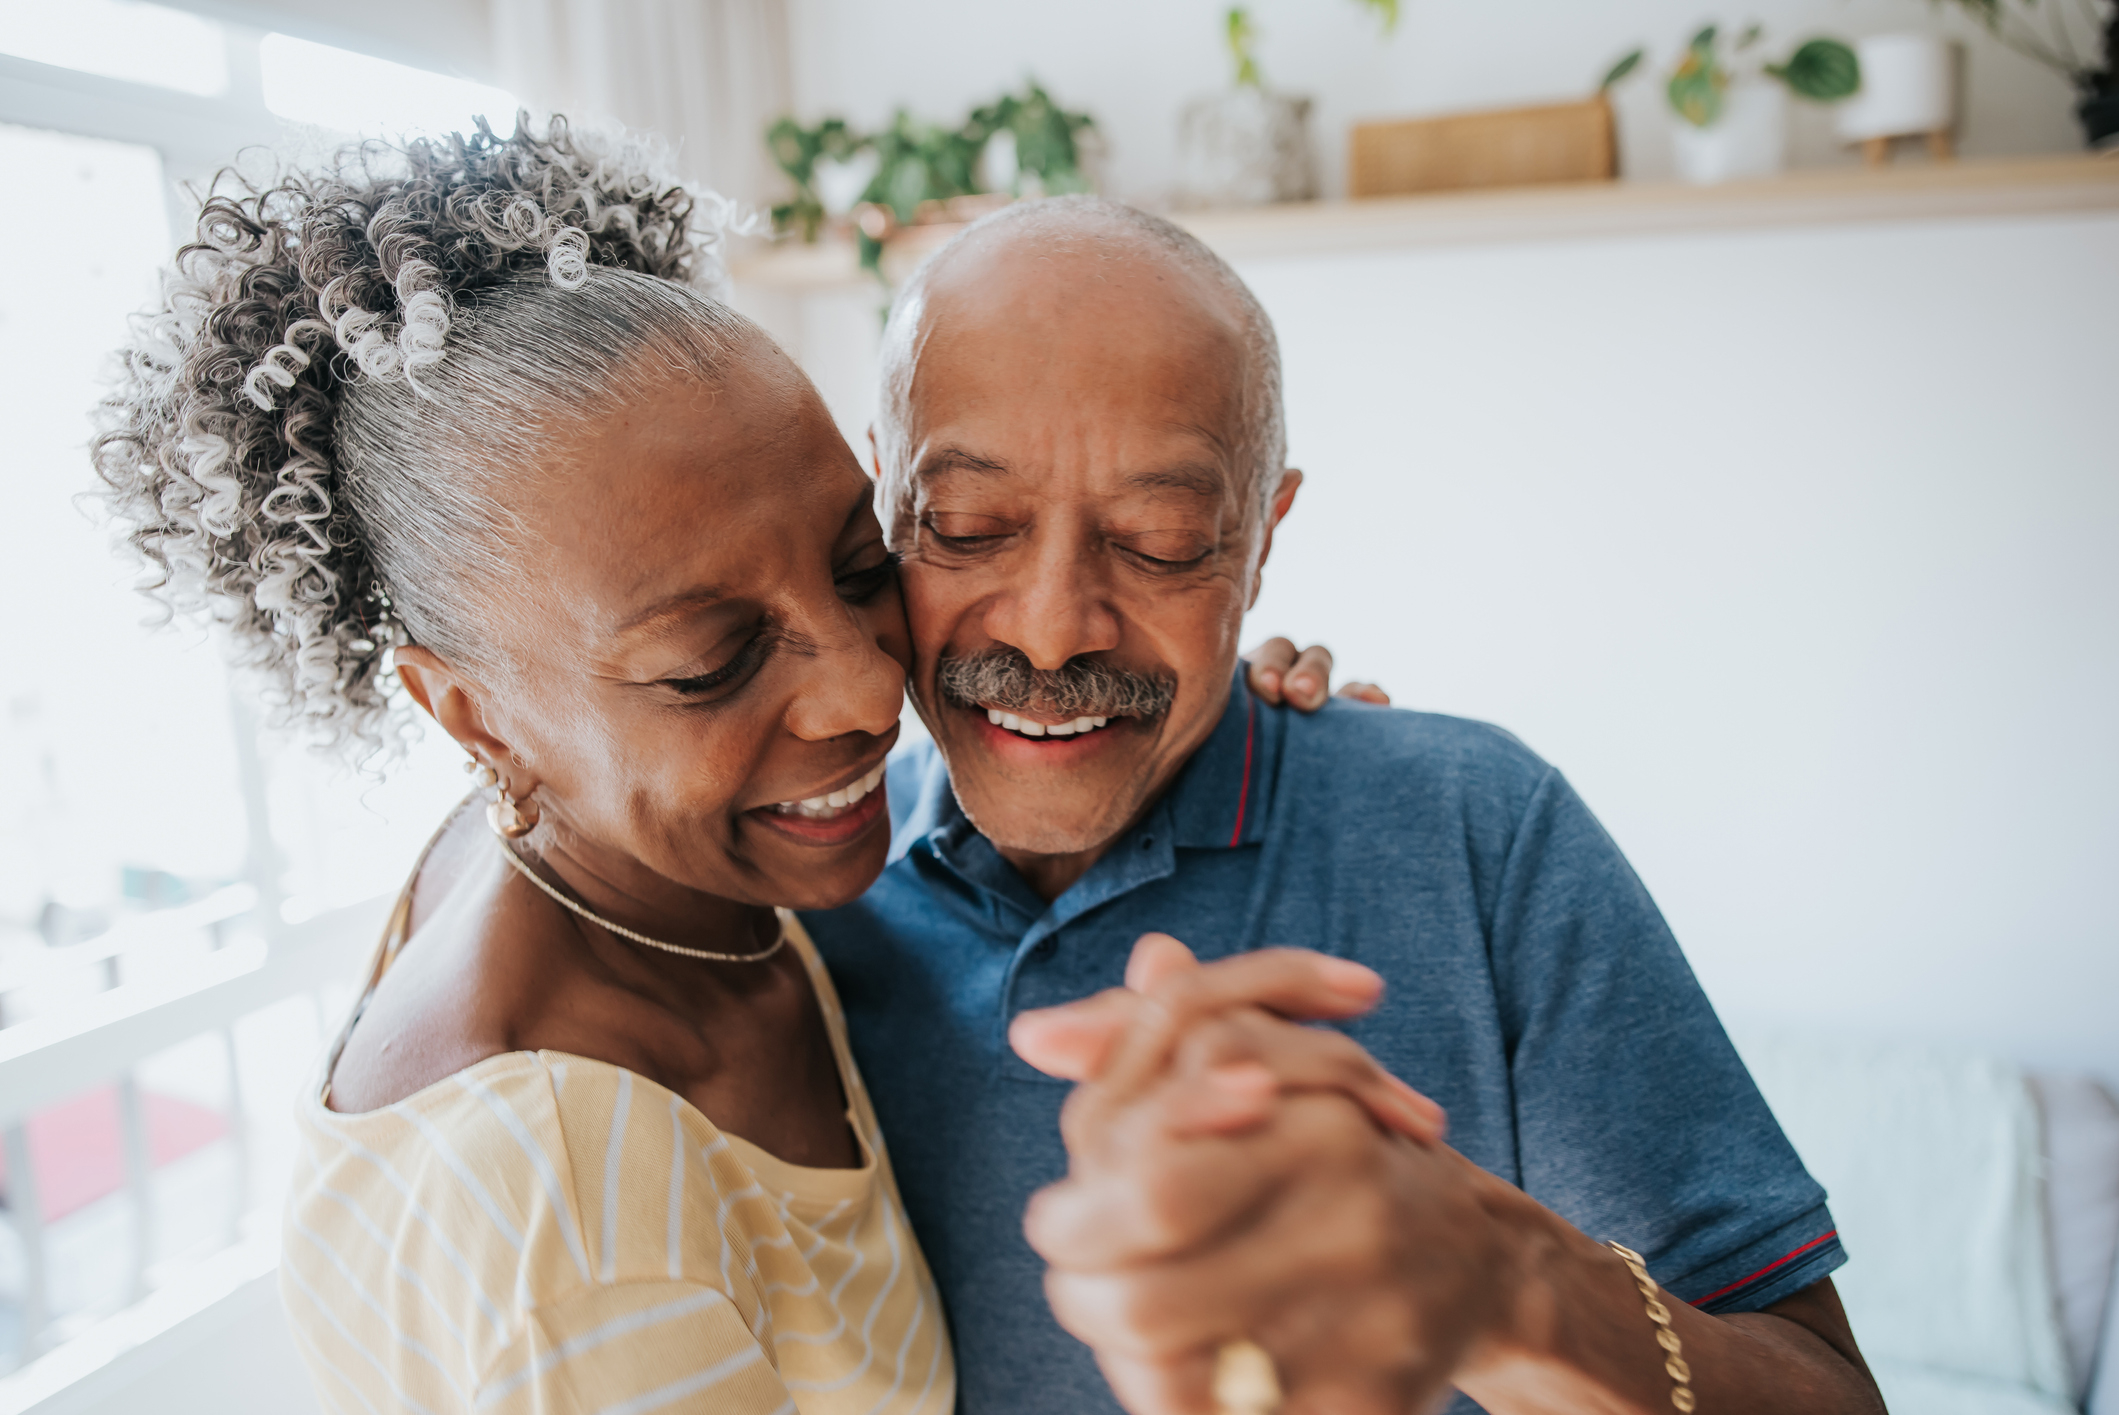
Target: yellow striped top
x,y
547,1233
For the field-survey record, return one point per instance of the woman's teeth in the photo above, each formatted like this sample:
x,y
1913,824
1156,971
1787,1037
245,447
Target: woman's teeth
x,y
1042,729
836,803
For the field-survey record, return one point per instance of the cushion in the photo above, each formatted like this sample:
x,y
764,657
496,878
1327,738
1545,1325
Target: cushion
x,y
1915,1390
2082,1208
2104,1379
1932,1162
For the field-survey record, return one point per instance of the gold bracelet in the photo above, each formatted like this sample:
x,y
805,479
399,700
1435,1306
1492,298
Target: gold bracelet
x,y
1674,1363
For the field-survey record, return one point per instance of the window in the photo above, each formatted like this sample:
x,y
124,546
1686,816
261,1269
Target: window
x,y
181,897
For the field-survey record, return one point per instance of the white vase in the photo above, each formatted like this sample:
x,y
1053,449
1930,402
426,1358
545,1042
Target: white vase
x,y
1749,139
1908,86
1245,148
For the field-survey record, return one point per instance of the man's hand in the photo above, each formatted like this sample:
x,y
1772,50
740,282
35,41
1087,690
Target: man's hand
x,y
1278,674
1232,1175
1168,995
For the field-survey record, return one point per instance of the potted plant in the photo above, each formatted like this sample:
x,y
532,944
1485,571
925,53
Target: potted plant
x,y
913,173
2080,41
1251,144
1733,112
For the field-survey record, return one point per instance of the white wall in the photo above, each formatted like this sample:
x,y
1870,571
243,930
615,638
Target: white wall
x,y
1132,63
1797,550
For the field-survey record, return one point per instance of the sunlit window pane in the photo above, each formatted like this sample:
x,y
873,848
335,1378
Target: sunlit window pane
x,y
115,744
353,93
118,39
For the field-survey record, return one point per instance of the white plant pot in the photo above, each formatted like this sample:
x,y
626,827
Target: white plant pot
x,y
1908,86
1245,148
1750,139
840,184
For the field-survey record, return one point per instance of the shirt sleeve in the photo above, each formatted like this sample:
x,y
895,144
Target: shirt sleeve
x,y
634,1348
1635,1119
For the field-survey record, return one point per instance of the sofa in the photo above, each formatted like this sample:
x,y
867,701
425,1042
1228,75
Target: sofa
x,y
1979,1206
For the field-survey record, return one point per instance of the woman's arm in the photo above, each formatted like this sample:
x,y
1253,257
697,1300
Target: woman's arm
x,y
678,1347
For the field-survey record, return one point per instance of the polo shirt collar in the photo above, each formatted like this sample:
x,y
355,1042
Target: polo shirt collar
x,y
1222,797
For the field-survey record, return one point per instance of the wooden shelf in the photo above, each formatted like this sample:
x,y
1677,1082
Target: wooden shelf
x,y
1834,196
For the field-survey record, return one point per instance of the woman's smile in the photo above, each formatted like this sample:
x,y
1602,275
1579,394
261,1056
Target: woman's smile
x,y
834,816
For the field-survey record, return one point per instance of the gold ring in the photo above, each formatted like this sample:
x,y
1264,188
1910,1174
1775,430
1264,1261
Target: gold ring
x,y
1245,1382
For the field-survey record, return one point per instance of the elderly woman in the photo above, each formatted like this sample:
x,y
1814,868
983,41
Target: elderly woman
x,y
461,416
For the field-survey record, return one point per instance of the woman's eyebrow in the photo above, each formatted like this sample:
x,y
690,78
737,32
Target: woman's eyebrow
x,y
657,617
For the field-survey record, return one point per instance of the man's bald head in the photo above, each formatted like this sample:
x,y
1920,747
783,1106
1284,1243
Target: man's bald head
x,y
1072,235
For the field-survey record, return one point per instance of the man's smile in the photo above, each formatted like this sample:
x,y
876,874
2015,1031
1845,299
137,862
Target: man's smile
x,y
1031,727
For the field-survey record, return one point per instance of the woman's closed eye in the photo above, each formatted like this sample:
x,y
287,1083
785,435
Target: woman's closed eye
x,y
717,683
862,584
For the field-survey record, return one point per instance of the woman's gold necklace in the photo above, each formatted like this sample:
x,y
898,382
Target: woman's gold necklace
x,y
623,932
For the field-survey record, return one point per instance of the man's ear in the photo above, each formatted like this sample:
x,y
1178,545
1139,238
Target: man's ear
x,y
456,701
875,455
1283,499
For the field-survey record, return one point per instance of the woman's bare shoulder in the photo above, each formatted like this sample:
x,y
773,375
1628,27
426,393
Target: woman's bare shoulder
x,y
455,993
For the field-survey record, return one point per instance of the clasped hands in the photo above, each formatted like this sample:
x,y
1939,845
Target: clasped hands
x,y
1233,1175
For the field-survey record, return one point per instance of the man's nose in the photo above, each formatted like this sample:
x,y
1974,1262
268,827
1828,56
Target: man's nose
x,y
1056,606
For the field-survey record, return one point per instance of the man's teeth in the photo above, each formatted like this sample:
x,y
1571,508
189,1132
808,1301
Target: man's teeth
x,y
1043,729
823,808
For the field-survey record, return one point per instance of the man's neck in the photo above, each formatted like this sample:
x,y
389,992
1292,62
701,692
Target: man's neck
x,y
1050,876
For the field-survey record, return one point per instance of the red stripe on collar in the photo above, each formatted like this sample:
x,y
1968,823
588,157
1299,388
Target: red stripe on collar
x,y
1243,795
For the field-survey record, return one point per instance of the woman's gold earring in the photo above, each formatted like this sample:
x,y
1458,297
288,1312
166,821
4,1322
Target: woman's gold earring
x,y
507,817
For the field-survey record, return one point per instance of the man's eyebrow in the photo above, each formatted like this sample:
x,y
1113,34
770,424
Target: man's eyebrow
x,y
654,619
1199,478
956,459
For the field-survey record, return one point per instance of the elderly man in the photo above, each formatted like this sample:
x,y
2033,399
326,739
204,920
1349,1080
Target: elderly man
x,y
1081,457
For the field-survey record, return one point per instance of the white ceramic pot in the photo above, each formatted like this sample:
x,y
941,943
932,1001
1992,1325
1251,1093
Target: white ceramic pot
x,y
840,184
1750,139
1908,85
1245,148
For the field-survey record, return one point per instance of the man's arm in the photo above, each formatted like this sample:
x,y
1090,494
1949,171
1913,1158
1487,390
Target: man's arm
x,y
1378,1270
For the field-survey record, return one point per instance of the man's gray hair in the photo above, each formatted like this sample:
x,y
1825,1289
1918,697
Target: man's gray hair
x,y
1260,439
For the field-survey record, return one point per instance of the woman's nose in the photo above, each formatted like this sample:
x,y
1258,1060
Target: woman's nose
x,y
852,686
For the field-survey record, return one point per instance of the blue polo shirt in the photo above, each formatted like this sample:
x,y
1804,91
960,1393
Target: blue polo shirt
x,y
1533,990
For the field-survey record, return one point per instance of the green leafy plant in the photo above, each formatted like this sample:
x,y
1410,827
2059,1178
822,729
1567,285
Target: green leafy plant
x,y
1821,70
2076,38
920,162
797,150
1241,35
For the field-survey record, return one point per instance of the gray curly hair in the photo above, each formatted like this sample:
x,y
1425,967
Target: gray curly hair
x,y
310,438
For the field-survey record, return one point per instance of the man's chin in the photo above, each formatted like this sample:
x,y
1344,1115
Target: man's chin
x,y
1064,796
1015,831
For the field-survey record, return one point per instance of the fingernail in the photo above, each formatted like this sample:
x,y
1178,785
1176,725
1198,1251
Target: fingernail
x,y
1270,679
1250,1079
1304,685
1347,977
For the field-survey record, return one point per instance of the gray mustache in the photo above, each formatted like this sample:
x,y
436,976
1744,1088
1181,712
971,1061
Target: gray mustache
x,y
1003,677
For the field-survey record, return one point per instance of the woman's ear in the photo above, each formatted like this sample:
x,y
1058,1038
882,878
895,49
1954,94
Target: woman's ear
x,y
456,701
